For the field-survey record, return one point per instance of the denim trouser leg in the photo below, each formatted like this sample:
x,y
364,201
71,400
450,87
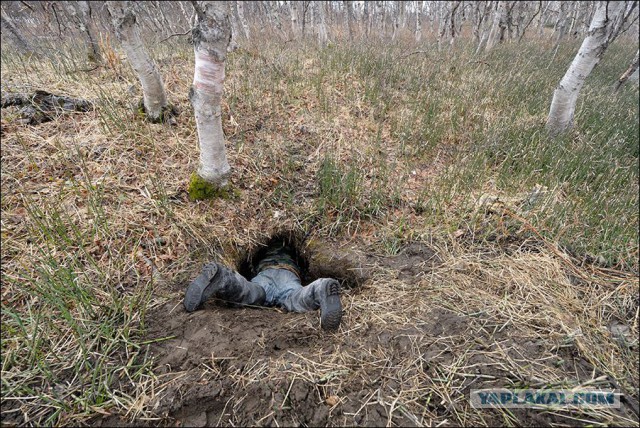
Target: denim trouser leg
x,y
278,284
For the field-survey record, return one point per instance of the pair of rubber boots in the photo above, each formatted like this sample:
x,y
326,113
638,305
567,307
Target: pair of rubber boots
x,y
220,282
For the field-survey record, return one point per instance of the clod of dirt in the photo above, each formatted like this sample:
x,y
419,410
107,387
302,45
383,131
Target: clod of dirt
x,y
345,264
413,260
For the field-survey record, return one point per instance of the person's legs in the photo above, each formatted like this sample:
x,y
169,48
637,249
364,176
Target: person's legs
x,y
221,282
277,283
323,294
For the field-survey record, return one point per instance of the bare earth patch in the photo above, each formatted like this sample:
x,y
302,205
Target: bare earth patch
x,y
412,345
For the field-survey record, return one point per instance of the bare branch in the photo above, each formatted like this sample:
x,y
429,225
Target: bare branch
x,y
176,34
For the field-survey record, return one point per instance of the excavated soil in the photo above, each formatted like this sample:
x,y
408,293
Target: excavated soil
x,y
232,366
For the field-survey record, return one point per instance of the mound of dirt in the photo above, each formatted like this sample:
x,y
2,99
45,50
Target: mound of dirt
x,y
399,359
412,261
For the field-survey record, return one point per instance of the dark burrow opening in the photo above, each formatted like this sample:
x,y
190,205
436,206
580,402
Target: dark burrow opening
x,y
247,266
316,259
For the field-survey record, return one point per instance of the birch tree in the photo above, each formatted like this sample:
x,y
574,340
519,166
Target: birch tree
x,y
20,41
418,33
274,17
80,12
605,26
321,26
127,30
499,26
211,37
293,9
243,21
348,7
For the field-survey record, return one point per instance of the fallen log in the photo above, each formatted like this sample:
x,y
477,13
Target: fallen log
x,y
43,106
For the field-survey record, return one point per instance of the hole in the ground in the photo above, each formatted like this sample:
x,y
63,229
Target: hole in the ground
x,y
247,266
315,260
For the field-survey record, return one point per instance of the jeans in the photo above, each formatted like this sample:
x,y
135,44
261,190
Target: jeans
x,y
278,284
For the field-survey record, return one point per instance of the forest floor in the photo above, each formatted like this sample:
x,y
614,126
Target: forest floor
x,y
474,252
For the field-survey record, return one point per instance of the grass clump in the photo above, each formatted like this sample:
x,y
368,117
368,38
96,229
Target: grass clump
x,y
69,337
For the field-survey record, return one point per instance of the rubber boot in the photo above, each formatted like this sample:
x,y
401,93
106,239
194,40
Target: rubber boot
x,y
219,281
323,294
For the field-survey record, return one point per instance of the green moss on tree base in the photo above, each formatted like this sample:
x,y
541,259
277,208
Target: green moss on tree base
x,y
200,189
167,115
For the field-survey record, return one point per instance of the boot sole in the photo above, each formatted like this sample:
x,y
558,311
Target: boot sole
x,y
331,313
193,296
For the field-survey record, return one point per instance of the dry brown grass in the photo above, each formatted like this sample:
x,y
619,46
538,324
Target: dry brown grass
x,y
489,315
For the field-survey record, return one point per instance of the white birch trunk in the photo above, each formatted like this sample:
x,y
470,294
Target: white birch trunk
x,y
211,37
322,26
20,42
396,24
124,21
418,26
366,18
274,17
380,12
603,29
542,20
483,39
243,21
235,31
80,12
561,23
293,6
574,17
350,18
496,29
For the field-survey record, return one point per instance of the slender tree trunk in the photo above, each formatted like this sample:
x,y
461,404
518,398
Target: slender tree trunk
x,y
633,68
574,18
542,20
274,16
367,14
211,37
243,21
82,11
128,32
383,21
452,22
350,19
396,24
20,42
312,17
322,27
477,22
523,31
604,27
483,39
418,25
293,7
561,23
497,26
235,31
